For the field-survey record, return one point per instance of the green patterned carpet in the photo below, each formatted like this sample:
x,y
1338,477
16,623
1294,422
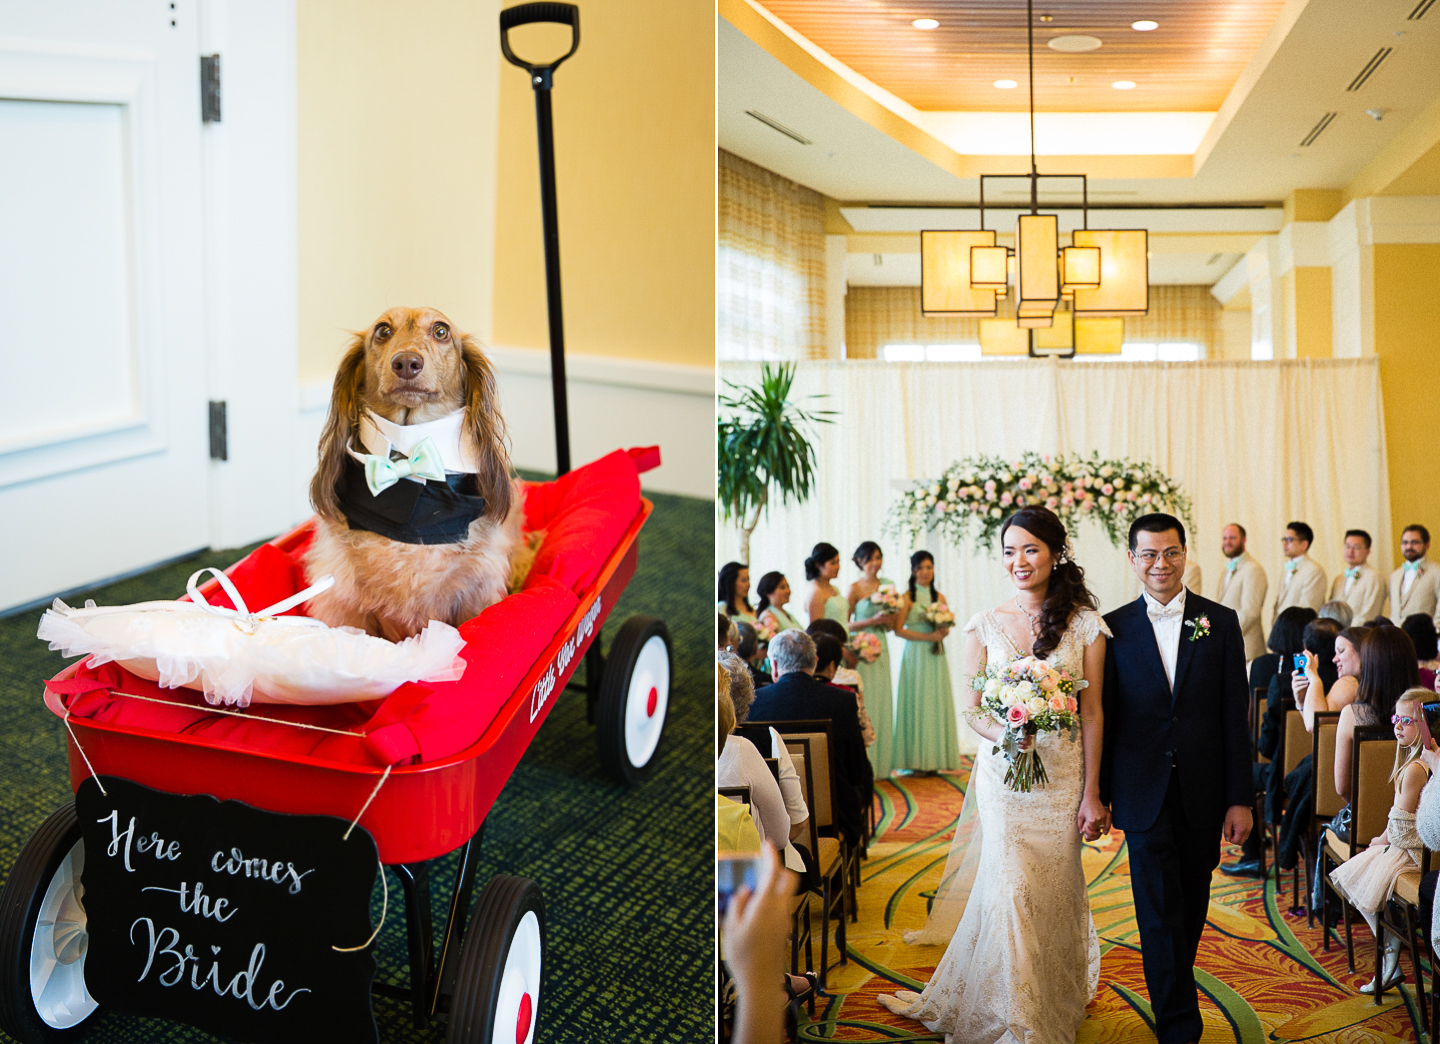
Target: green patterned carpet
x,y
627,874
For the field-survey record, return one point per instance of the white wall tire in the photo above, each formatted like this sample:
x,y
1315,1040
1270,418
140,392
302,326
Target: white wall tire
x,y
634,698
43,997
499,986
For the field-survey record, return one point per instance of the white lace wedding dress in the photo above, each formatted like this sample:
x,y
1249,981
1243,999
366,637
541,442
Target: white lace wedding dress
x,y
1023,961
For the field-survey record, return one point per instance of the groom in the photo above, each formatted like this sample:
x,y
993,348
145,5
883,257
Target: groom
x,y
1176,763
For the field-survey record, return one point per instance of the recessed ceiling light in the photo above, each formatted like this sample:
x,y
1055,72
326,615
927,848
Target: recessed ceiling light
x,y
1074,44
1144,25
1006,85
1124,85
925,23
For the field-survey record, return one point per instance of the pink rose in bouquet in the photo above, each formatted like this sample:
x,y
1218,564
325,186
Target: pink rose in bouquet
x,y
866,645
1028,696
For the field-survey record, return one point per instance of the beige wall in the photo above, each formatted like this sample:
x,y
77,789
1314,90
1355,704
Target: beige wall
x,y
397,131
635,158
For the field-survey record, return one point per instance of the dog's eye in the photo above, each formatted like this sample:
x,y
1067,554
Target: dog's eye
x,y
440,331
382,331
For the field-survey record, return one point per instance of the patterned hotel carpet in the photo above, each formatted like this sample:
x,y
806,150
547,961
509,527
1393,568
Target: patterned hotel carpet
x,y
627,874
1262,973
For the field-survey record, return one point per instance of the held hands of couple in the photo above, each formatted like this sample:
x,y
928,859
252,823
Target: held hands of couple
x,y
1093,819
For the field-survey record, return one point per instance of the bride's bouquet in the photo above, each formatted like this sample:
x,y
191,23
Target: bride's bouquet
x,y
866,645
939,615
1029,696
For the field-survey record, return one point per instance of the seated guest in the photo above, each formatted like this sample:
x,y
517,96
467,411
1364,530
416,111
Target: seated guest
x,y
1415,586
727,637
827,666
1359,586
742,694
798,695
748,649
1387,669
1302,581
1340,612
1313,688
1287,632
1242,588
733,588
1421,630
837,630
741,765
774,592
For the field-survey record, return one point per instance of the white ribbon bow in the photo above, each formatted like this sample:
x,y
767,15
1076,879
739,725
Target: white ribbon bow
x,y
1165,612
243,617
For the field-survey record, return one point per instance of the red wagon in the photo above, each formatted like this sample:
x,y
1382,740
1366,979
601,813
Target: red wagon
x,y
403,766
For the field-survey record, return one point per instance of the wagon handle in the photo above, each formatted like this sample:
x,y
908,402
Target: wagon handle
x,y
541,79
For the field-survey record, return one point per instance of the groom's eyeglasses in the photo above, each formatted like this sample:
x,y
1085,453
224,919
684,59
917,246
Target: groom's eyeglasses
x,y
1402,719
1172,556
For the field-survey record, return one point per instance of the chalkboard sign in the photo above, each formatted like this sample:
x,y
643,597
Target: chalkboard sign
x,y
226,916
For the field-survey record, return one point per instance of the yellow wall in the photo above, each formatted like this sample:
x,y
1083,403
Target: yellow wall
x,y
635,158
397,128
1307,292
1407,339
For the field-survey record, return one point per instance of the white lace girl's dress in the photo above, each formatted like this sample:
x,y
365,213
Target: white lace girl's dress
x,y
1024,961
1368,879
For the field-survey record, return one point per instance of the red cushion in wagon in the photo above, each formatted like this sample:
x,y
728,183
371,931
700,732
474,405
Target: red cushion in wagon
x,y
584,514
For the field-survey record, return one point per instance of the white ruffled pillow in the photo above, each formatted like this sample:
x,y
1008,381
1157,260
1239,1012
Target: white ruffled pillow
x,y
239,657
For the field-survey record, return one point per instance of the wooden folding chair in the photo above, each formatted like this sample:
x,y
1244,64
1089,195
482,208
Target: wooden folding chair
x,y
1372,757
1326,802
1294,745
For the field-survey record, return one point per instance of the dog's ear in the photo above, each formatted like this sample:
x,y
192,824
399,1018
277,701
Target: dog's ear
x,y
339,426
485,429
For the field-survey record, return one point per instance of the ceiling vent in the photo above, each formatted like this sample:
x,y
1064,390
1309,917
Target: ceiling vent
x,y
776,125
1370,67
1421,10
1318,129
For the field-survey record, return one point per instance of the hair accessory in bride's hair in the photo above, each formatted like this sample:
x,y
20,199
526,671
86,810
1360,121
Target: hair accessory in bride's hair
x,y
1067,553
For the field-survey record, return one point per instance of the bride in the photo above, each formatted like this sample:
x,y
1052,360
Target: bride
x,y
1023,960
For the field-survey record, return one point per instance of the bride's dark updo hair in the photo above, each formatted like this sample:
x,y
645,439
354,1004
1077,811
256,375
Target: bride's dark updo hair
x,y
1067,592
819,555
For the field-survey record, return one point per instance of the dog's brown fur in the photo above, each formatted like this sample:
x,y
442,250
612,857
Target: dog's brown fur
x,y
390,588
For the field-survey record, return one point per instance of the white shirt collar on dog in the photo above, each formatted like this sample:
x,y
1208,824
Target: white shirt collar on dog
x,y
379,436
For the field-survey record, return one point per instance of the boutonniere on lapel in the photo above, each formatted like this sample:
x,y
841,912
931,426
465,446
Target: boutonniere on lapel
x,y
1199,628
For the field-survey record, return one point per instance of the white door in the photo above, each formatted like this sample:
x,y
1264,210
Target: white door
x,y
104,424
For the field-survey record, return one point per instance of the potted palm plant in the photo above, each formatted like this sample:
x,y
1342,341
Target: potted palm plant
x,y
763,449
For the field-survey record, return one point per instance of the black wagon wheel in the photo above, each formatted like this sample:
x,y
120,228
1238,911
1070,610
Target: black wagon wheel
x,y
43,939
634,695
497,991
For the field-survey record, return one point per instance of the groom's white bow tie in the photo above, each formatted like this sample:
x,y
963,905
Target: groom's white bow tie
x,y
1164,612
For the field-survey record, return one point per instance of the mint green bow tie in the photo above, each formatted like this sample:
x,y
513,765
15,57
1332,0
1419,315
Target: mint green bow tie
x,y
424,462
1232,565
1353,573
1292,565
1412,567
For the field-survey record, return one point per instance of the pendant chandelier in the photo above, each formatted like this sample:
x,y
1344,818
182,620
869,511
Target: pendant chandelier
x,y
1067,298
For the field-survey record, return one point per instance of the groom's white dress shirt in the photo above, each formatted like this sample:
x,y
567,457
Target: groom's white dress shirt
x,y
1243,586
1415,588
1165,621
1360,588
1302,582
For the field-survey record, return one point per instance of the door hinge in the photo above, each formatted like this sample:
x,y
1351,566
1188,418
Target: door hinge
x,y
210,88
219,448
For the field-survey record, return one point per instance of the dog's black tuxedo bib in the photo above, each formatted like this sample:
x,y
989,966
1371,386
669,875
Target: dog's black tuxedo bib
x,y
410,512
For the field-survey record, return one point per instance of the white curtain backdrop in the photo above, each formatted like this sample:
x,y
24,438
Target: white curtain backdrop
x,y
1258,443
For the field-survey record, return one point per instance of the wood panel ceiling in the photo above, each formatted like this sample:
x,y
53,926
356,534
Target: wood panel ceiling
x,y
1188,64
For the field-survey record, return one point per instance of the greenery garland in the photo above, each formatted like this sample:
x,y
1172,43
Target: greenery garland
x,y
976,494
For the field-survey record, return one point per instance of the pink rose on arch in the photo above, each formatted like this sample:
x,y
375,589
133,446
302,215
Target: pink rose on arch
x,y
1107,489
1006,499
1057,702
1025,483
1070,704
990,486
1052,503
1017,715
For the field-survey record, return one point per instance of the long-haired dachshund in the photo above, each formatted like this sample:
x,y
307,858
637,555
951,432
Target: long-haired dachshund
x,y
419,517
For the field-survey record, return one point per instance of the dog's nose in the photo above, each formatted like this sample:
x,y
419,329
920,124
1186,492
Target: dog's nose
x,y
407,365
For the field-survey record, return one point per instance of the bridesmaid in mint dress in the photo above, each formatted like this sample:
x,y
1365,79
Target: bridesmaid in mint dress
x,y
821,597
925,736
733,588
871,618
774,592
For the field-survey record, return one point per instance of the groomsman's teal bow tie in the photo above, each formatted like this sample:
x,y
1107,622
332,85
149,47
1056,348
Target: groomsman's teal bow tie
x,y
1292,564
1232,565
424,462
1412,567
1353,573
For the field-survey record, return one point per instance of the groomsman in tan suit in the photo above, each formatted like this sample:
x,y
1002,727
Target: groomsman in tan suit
x,y
1242,588
1359,586
1415,586
1302,582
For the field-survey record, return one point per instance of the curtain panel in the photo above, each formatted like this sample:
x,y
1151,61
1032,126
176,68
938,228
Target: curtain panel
x,y
879,315
1258,443
769,266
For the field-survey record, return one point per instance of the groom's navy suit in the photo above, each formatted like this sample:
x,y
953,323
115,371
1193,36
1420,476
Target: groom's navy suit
x,y
1173,763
